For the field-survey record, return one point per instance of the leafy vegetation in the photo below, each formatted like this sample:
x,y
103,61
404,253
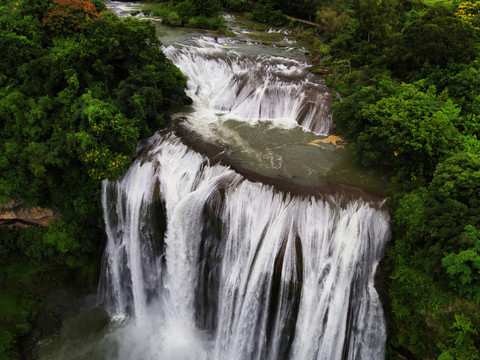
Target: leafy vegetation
x,y
201,14
78,89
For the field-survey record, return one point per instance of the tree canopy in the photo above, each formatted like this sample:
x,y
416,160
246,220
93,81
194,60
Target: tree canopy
x,y
78,89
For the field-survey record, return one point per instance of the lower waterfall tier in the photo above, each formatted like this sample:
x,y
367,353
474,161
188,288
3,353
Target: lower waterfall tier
x,y
204,264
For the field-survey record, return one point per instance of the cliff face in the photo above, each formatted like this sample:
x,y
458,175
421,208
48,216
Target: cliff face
x,y
16,215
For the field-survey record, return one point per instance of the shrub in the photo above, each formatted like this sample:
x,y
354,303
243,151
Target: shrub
x,y
173,19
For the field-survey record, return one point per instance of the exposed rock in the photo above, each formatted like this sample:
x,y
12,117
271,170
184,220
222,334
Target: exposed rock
x,y
334,140
16,215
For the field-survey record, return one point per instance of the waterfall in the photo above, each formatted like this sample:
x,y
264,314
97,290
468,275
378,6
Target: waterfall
x,y
228,85
203,264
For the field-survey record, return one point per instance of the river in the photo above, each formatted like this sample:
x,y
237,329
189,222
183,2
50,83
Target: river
x,y
240,232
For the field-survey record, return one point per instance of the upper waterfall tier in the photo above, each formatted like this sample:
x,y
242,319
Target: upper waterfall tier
x,y
227,85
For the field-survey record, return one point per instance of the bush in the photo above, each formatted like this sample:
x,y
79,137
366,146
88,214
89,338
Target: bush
x,y
173,19
236,5
201,22
267,14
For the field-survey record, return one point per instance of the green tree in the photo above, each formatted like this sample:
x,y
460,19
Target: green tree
x,y
439,37
207,7
106,138
377,20
461,345
464,267
407,130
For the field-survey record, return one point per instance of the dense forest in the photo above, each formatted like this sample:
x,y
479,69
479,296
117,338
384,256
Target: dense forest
x,y
80,88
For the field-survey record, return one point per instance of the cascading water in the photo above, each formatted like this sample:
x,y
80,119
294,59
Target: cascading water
x,y
205,264
239,271
202,263
226,85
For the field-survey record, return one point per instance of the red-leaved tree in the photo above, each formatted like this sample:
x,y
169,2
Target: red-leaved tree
x,y
70,15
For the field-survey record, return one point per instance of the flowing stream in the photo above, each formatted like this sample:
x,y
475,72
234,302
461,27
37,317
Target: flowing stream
x,y
203,261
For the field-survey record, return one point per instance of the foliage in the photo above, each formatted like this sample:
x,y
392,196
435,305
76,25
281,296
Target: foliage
x,y
465,265
75,99
173,19
461,346
197,14
462,83
400,127
235,5
202,22
206,8
266,13
469,11
104,139
439,37
70,15
304,9
332,22
378,20
80,107
437,244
